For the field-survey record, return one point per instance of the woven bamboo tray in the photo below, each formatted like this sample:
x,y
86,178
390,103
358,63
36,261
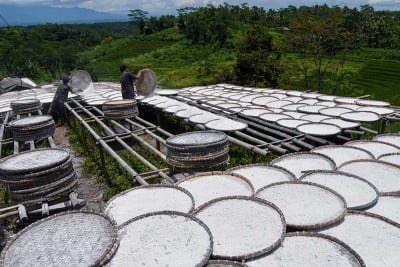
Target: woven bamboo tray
x,y
261,175
310,249
24,106
211,185
342,153
388,207
291,123
306,206
75,238
146,82
342,123
358,192
377,148
385,176
334,111
373,237
302,162
360,116
235,236
382,111
314,109
319,129
391,138
33,161
393,158
164,238
225,263
145,199
226,125
80,80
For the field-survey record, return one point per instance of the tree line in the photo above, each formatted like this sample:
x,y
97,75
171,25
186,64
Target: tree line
x,y
270,46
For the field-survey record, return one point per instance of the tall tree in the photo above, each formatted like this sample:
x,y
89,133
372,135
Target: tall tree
x,y
257,59
138,17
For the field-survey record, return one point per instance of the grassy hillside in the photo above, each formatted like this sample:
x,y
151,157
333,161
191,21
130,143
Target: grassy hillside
x,y
179,64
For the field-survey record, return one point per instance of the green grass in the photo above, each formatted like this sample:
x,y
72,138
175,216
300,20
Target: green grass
x,y
106,59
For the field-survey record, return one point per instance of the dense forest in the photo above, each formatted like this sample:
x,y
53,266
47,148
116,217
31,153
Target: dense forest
x,y
329,49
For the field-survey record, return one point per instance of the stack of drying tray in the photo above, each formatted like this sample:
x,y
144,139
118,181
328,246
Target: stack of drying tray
x,y
33,128
25,106
198,151
120,109
37,176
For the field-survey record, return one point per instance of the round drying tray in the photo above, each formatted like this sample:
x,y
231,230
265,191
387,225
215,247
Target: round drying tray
x,y
310,95
319,129
198,140
207,186
80,80
375,238
378,110
388,207
314,109
146,82
314,117
254,112
33,161
293,99
310,249
24,106
293,107
33,128
342,123
235,236
345,100
291,123
76,238
326,97
305,205
294,93
360,116
149,198
226,125
391,138
273,117
334,111
374,103
173,109
204,118
120,109
261,175
328,104
309,101
225,263
393,158
187,113
278,103
341,153
349,106
249,98
294,114
166,92
385,176
358,192
263,100
377,148
302,162
163,239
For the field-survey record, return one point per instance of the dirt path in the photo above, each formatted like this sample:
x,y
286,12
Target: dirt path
x,y
89,188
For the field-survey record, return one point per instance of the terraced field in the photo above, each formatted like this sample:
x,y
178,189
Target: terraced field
x,y
107,60
380,79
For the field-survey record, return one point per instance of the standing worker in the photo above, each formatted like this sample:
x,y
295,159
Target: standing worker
x,y
126,79
57,109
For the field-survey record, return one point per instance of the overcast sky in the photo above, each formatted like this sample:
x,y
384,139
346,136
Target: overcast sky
x,y
170,6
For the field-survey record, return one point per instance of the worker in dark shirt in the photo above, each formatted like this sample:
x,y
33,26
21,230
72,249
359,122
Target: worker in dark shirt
x,y
57,109
126,79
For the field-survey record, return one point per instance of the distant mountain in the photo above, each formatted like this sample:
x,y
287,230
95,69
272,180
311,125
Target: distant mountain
x,y
41,14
